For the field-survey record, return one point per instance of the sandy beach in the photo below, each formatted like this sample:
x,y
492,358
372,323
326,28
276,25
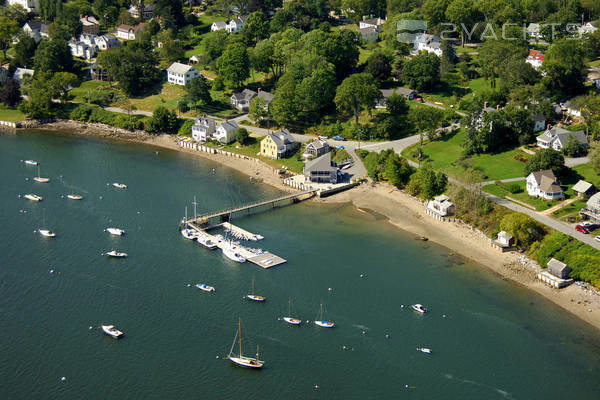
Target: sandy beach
x,y
402,210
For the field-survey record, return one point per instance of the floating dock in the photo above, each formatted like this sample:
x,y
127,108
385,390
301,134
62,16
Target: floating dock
x,y
241,233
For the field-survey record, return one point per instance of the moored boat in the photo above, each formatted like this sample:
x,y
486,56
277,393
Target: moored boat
x,y
47,233
206,242
424,350
115,231
323,323
188,234
289,319
232,254
33,197
253,296
75,196
116,254
205,287
39,178
419,308
111,331
240,359
120,185
31,162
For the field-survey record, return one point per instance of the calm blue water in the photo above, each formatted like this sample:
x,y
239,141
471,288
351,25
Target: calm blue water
x,y
497,341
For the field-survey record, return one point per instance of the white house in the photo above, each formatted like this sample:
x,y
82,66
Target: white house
x,y
36,29
89,24
146,13
441,205
226,132
535,58
539,122
106,42
321,170
82,49
129,32
203,129
556,138
543,184
236,24
21,72
218,26
588,28
534,31
571,109
241,100
180,74
28,5
428,43
376,23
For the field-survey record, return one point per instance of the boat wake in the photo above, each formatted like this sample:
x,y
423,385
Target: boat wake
x,y
503,393
362,327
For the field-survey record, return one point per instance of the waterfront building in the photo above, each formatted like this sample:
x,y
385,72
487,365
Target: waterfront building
x,y
241,100
226,132
321,170
180,74
278,145
441,205
316,149
203,129
543,184
583,189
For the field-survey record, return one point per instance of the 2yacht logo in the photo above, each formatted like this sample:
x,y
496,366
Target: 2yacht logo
x,y
408,29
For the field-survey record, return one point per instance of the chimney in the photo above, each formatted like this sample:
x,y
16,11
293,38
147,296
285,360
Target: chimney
x,y
86,18
548,127
497,107
485,104
364,17
258,90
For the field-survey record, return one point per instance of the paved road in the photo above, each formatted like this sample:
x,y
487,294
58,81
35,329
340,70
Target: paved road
x,y
573,162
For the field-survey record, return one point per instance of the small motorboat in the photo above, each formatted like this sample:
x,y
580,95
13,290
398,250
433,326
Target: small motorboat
x,y
31,162
206,242
205,287
33,197
420,308
120,185
188,234
116,254
424,350
254,297
74,196
115,231
111,331
232,254
47,233
292,321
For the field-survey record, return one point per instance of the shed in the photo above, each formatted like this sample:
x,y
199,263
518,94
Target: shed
x,y
558,269
583,188
506,239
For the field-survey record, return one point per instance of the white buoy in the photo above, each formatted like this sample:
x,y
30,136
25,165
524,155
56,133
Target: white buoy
x,y
330,289
218,357
64,378
364,332
91,327
362,276
100,197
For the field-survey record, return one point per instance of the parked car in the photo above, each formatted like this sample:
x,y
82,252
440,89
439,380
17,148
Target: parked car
x,y
588,224
457,120
323,137
340,138
340,147
445,124
597,238
581,229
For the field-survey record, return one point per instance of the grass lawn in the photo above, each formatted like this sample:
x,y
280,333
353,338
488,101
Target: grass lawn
x,y
80,93
445,153
537,203
570,211
165,95
588,174
12,115
479,84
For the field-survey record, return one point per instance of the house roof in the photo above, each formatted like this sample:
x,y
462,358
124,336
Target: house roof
x,y
403,91
179,68
549,185
556,267
229,125
19,72
594,202
504,235
265,96
245,94
322,163
538,117
535,55
134,28
429,40
205,121
88,20
368,29
582,186
317,144
282,138
562,135
220,24
373,21
539,174
533,27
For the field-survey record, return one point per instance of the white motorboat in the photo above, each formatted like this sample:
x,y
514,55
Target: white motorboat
x,y
254,297
111,331
206,242
290,320
424,350
39,178
31,162
47,233
419,308
321,322
120,185
232,254
33,197
205,287
115,231
116,254
75,196
240,359
188,234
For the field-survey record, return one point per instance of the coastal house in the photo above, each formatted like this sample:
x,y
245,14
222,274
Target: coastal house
x,y
556,138
316,149
534,31
556,275
226,132
36,29
539,122
236,24
505,239
241,100
146,13
29,5
583,189
180,74
558,269
592,209
535,58
441,205
266,96
368,33
82,49
106,42
480,120
588,28
428,43
375,23
571,109
129,32
89,24
195,59
408,94
278,145
543,184
218,26
203,128
321,170
20,73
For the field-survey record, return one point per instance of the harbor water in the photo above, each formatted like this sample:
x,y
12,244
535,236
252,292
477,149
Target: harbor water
x,y
490,339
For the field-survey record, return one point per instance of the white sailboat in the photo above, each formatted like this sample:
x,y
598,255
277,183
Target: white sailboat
x,y
240,359
120,185
321,322
115,231
231,253
31,162
33,197
289,319
253,296
206,242
39,178
419,308
46,232
187,232
115,254
424,350
72,195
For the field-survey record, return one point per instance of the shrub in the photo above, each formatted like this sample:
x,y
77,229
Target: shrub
x,y
515,188
186,128
102,97
362,153
81,112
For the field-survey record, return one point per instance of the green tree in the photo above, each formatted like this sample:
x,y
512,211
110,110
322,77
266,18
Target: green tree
x,y
594,155
53,56
214,44
198,91
61,83
163,121
563,64
572,147
397,170
546,159
422,72
15,12
24,51
255,28
242,136
396,105
170,49
356,92
379,65
11,93
426,120
524,229
234,65
259,109
8,29
461,12
285,106
426,183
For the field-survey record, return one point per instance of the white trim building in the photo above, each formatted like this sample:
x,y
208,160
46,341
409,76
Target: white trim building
x,y
180,74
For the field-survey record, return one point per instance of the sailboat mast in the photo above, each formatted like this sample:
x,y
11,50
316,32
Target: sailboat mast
x,y
321,318
253,285
195,214
257,358
290,307
240,334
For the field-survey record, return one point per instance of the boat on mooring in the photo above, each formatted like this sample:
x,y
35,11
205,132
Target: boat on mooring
x,y
424,350
205,287
419,308
31,162
321,322
188,234
253,296
111,331
73,195
240,359
47,233
289,319
33,197
120,185
232,254
39,178
206,242
115,254
115,231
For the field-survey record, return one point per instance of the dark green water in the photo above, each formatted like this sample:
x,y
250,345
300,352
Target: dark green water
x,y
498,341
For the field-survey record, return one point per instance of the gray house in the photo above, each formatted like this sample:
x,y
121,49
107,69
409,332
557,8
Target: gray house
x,y
583,189
408,94
241,100
556,138
558,269
316,148
321,170
204,128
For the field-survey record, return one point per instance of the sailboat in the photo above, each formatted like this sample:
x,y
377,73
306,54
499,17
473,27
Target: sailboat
x,y
74,196
321,322
31,162
241,359
289,319
252,296
46,232
39,178
187,232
